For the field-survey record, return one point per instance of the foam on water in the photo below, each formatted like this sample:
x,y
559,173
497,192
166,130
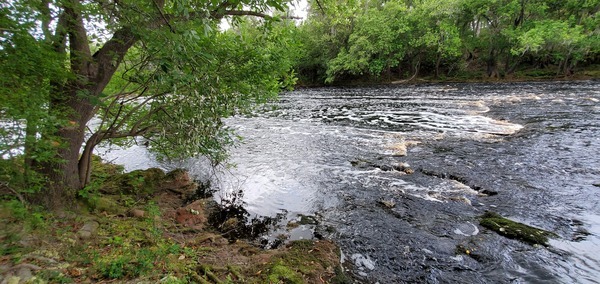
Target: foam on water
x,y
535,143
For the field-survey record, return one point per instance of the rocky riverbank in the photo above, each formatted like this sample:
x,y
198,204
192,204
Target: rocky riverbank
x,y
148,227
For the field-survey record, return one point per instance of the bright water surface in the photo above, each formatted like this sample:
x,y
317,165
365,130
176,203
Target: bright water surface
x,y
537,145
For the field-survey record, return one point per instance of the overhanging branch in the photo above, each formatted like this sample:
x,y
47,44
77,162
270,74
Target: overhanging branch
x,y
254,14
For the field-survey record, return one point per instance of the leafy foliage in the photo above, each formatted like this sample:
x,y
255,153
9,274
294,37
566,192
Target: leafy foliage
x,y
392,38
27,64
77,73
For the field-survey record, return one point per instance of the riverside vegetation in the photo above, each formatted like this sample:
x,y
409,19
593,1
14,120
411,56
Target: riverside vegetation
x,y
165,72
75,74
458,40
146,227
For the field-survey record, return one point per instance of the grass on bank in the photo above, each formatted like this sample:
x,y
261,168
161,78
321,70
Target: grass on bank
x,y
124,231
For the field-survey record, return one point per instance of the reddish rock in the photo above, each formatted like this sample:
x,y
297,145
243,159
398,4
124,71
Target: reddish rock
x,y
177,180
192,216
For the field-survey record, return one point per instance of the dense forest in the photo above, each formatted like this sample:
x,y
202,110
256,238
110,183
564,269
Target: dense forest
x,y
464,39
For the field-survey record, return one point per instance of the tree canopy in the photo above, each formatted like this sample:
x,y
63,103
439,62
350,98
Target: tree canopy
x,y
398,39
75,73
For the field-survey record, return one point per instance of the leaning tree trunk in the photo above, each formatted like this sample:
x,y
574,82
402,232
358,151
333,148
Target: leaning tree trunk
x,y
71,102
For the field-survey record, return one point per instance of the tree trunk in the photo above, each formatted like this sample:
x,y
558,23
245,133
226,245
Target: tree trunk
x,y
62,172
437,66
511,68
71,102
492,65
85,162
30,140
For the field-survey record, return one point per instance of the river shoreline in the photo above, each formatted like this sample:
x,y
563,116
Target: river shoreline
x,y
519,149
147,226
584,75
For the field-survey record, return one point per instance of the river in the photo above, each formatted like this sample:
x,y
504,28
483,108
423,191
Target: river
x,y
398,176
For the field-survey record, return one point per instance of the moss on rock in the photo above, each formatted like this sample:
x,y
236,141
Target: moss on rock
x,y
107,204
100,242
306,261
515,230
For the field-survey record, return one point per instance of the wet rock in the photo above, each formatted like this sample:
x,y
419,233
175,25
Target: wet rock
x,y
307,220
580,234
385,168
88,230
462,180
466,229
471,250
230,224
487,192
408,171
292,225
515,230
401,148
318,235
461,199
361,164
363,262
387,203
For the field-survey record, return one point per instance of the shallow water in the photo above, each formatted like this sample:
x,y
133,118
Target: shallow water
x,y
529,151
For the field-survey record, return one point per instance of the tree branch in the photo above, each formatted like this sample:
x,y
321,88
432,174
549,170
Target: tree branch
x,y
130,133
78,41
162,15
320,7
46,19
60,35
111,55
120,119
250,13
16,193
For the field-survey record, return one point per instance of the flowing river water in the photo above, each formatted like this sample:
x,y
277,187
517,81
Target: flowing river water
x,y
398,176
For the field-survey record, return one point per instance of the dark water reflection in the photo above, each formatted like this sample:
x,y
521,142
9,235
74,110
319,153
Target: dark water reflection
x,y
537,145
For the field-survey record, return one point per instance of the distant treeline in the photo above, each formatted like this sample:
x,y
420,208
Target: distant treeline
x,y
379,40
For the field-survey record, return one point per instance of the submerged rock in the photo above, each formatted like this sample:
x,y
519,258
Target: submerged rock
x,y
363,262
400,167
401,148
515,230
307,220
387,203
